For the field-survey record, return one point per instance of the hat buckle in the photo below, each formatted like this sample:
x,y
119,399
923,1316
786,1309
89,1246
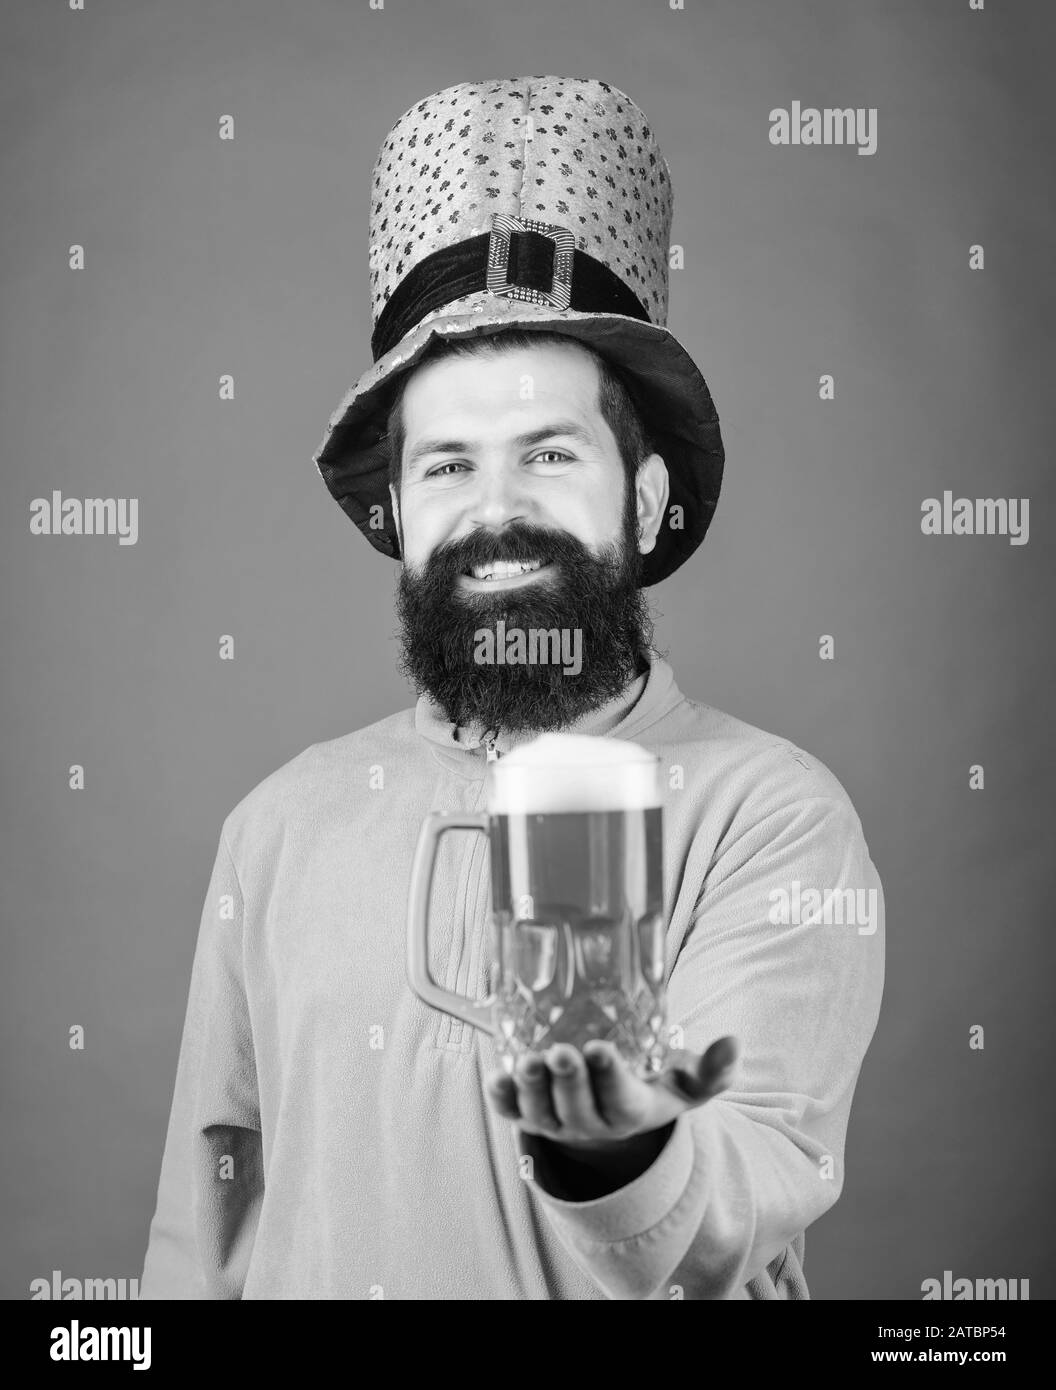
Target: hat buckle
x,y
536,279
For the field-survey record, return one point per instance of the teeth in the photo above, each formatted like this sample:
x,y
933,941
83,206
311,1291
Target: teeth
x,y
504,569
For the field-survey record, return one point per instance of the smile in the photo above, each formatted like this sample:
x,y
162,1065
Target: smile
x,y
503,574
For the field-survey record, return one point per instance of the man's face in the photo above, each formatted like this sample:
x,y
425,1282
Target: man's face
x,y
489,440
514,504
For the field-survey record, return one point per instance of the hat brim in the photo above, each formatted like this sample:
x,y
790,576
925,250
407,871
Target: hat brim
x,y
668,389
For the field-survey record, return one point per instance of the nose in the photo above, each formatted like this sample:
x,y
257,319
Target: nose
x,y
499,499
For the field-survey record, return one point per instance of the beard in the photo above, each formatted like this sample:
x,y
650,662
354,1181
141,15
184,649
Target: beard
x,y
591,599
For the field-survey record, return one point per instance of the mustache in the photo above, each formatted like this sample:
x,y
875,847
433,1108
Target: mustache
x,y
517,542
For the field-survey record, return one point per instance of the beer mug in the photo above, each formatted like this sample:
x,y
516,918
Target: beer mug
x,y
577,919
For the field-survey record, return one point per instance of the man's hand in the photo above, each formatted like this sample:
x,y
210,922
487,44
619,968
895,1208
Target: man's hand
x,y
595,1111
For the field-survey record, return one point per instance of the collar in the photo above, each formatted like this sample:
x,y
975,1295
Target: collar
x,y
643,701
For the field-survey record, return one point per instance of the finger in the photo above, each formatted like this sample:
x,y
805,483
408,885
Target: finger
x,y
619,1097
532,1079
502,1092
571,1090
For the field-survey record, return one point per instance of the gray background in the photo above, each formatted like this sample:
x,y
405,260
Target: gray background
x,y
205,257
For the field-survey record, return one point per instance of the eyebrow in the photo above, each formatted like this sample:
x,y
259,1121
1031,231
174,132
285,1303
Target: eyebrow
x,y
569,429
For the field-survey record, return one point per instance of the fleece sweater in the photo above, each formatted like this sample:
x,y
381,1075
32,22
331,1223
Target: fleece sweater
x,y
330,1136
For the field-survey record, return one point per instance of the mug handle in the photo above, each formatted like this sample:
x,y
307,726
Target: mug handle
x,y
474,1011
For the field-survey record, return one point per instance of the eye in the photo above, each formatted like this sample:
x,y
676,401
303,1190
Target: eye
x,y
438,472
561,455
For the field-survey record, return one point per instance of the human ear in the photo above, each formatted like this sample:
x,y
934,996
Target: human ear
x,y
394,498
653,488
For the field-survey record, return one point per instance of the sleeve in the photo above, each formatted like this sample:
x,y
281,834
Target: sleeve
x,y
211,1183
799,986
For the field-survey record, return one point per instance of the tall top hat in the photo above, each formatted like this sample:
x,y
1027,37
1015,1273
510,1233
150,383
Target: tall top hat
x,y
537,203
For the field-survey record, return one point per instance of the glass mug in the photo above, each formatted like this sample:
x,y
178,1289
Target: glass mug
x,y
577,919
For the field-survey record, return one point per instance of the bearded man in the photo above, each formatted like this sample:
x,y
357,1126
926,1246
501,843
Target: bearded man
x,y
537,449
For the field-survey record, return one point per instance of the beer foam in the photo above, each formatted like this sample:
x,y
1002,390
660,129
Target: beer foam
x,y
573,772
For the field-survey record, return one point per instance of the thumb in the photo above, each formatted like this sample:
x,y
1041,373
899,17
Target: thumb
x,y
700,1078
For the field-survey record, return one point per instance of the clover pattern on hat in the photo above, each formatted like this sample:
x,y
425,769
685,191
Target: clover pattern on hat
x,y
578,153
